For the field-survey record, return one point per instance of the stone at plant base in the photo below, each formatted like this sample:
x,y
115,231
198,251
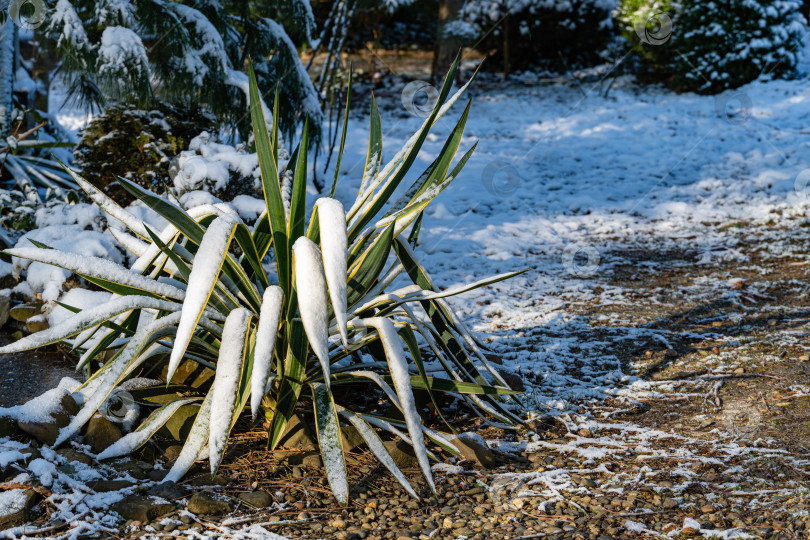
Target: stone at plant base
x,y
257,499
140,508
101,433
514,381
172,453
312,459
46,431
15,506
23,312
74,455
103,486
297,435
9,427
37,323
402,453
5,307
69,405
167,490
206,503
474,448
352,439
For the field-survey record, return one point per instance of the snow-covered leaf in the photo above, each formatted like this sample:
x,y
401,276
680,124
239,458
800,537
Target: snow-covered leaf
x,y
102,269
132,441
310,286
266,332
402,383
334,244
125,361
377,448
330,441
226,381
204,275
195,442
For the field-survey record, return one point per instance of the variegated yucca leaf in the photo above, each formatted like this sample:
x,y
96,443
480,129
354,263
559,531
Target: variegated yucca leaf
x,y
189,302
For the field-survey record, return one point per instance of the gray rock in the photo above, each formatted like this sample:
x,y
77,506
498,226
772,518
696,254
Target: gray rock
x,y
474,448
36,324
206,503
257,499
101,433
69,405
514,381
172,453
18,512
351,438
140,508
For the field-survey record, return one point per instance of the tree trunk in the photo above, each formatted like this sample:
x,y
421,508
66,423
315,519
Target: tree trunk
x,y
507,65
8,35
447,46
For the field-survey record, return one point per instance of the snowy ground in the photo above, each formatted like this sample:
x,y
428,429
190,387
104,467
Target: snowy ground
x,y
565,184
601,197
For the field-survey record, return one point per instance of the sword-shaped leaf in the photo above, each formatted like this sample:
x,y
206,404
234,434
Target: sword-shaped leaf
x,y
201,283
398,366
226,382
266,333
378,449
334,244
132,441
330,441
310,287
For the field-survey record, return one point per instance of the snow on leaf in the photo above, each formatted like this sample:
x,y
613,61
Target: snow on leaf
x,y
266,332
130,243
96,267
130,442
226,382
88,318
330,441
195,442
310,284
204,274
398,366
126,360
110,207
378,449
334,243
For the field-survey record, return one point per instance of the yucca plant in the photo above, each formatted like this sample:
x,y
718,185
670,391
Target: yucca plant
x,y
199,295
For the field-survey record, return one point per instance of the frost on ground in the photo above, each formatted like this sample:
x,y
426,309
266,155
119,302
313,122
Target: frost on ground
x,y
660,331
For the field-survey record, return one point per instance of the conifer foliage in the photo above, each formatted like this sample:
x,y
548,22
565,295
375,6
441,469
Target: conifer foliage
x,y
188,52
708,47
